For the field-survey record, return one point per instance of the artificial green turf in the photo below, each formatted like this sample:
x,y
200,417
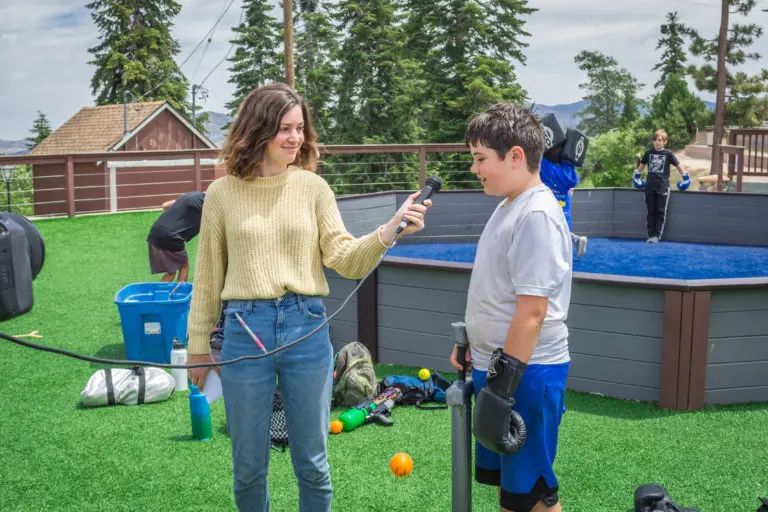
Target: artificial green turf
x,y
56,455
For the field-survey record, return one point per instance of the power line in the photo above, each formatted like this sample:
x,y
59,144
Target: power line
x,y
231,47
208,41
204,38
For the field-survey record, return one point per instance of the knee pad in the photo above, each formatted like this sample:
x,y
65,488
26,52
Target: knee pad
x,y
526,501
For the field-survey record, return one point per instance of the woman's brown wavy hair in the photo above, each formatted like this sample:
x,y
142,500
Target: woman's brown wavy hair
x,y
257,121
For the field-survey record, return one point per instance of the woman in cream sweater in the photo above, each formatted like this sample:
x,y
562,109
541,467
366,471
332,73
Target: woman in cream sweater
x,y
268,228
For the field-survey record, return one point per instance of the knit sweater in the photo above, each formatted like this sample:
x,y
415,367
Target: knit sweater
x,y
260,239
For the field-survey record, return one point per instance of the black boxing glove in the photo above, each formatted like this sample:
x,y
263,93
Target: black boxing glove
x,y
496,425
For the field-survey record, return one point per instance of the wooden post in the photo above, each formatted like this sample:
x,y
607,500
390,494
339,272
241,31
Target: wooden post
x,y
670,349
198,177
699,350
422,166
70,186
288,41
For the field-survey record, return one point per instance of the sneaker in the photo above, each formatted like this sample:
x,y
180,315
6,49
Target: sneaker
x,y
581,246
653,240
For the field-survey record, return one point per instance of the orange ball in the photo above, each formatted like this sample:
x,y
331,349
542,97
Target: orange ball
x,y
401,464
336,427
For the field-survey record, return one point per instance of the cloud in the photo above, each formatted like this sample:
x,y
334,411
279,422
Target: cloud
x,y
44,50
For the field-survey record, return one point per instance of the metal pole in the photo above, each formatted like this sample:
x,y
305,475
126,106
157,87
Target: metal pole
x,y
288,41
8,193
459,398
125,112
194,97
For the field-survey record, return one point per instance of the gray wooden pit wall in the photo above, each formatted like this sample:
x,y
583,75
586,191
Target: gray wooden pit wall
x,y
682,343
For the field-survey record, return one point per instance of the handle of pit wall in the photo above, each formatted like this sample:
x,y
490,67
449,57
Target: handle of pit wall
x,y
461,356
459,335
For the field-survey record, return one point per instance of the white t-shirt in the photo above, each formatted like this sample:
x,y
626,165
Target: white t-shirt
x,y
525,249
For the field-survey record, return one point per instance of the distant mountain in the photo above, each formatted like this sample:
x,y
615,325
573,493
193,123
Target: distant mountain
x,y
13,147
565,114
215,127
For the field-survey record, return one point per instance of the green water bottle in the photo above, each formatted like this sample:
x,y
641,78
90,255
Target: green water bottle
x,y
351,419
200,413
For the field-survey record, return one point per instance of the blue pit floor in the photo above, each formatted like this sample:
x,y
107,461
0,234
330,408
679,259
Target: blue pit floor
x,y
670,260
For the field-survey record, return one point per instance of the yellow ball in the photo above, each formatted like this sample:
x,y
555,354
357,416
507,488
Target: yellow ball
x,y
424,374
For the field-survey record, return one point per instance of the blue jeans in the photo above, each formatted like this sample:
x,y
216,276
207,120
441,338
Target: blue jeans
x,y
305,375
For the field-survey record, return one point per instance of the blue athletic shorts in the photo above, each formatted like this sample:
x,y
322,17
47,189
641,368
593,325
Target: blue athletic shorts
x,y
540,400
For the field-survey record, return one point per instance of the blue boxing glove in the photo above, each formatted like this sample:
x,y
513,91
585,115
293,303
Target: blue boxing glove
x,y
683,185
636,181
497,426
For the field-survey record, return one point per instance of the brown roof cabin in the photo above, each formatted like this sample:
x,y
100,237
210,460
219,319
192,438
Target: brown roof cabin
x,y
108,186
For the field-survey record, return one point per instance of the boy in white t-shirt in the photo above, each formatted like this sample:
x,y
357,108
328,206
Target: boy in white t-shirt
x,y
517,304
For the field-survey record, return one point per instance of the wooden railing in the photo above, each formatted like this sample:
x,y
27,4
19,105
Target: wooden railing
x,y
755,143
735,165
100,178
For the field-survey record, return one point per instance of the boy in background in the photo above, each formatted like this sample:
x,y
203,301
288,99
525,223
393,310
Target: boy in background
x,y
178,224
659,160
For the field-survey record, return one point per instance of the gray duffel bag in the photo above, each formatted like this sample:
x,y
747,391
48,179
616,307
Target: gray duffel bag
x,y
118,386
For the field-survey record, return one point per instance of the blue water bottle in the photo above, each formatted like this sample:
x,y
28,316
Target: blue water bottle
x,y
200,413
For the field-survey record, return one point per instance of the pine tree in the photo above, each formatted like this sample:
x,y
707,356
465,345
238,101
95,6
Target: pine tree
x,y
746,103
376,91
40,130
678,111
673,56
136,53
473,46
465,52
258,55
316,46
611,93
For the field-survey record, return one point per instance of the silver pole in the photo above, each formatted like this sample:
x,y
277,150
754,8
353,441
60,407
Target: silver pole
x,y
459,398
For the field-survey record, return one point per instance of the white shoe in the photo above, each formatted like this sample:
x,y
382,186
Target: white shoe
x,y
581,246
653,240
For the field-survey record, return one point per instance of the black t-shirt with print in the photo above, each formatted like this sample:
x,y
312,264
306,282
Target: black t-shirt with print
x,y
179,224
659,163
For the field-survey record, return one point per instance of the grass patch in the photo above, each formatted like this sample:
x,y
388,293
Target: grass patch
x,y
57,456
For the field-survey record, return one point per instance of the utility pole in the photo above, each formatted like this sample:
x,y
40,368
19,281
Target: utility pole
x,y
717,140
288,40
194,98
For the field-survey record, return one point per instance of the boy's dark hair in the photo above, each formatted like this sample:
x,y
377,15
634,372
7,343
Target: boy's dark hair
x,y
505,125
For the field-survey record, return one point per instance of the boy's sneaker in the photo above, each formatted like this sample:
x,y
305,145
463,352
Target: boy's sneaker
x,y
653,240
581,246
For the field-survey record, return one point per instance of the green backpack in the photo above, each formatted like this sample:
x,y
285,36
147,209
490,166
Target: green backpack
x,y
354,378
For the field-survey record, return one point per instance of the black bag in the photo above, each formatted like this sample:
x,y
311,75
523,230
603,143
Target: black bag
x,y
278,426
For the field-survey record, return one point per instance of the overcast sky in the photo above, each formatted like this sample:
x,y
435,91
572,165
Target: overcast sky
x,y
44,59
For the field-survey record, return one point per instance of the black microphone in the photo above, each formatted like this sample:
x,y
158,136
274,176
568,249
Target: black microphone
x,y
431,185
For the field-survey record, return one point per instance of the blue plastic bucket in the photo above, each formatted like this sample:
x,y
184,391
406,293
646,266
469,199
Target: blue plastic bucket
x,y
151,319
